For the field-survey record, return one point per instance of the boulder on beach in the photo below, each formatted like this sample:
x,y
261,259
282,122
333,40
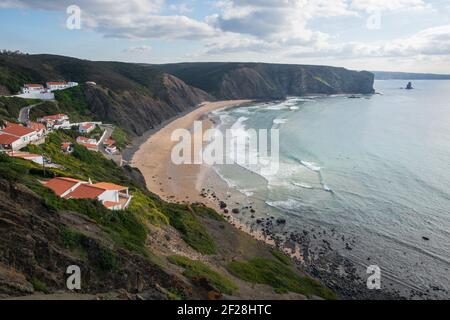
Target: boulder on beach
x,y
235,211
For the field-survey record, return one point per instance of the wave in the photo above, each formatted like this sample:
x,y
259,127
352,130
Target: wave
x,y
280,121
311,165
289,205
302,185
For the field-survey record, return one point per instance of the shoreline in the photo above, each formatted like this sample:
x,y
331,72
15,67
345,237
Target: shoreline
x,y
163,177
202,184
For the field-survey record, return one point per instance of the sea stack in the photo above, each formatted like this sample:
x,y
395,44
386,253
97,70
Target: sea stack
x,y
409,86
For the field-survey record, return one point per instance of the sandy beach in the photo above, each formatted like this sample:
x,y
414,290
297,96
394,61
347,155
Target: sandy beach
x,y
177,183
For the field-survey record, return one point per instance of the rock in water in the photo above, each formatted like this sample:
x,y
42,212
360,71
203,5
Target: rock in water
x,y
409,86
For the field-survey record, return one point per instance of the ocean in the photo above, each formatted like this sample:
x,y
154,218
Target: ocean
x,y
371,173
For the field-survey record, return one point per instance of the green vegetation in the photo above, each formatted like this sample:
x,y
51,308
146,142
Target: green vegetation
x,y
207,212
322,81
279,276
192,231
126,228
196,269
121,137
70,101
282,257
10,107
38,285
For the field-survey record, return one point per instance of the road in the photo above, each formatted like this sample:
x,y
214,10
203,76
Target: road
x,y
24,113
117,158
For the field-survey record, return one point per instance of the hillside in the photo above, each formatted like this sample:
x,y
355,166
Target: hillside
x,y
133,96
269,81
153,249
156,249
138,97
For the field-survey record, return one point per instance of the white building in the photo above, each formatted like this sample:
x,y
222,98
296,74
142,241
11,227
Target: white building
x,y
54,86
15,136
55,121
90,144
86,127
112,196
32,88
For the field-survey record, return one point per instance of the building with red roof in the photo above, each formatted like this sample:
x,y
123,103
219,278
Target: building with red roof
x,y
32,88
86,127
15,136
112,196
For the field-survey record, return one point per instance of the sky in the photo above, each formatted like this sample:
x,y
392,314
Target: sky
x,y
376,35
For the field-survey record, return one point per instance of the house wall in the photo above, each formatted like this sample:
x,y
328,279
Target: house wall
x,y
109,195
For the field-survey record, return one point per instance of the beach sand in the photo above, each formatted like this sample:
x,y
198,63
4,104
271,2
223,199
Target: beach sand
x,y
177,183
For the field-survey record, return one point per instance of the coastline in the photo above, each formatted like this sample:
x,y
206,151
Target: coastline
x,y
202,184
166,179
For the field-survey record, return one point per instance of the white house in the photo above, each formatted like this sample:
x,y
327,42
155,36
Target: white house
x,y
16,136
32,88
86,127
55,121
36,158
90,144
112,196
54,86
40,129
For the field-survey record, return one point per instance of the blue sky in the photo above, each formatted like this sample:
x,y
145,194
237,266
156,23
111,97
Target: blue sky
x,y
395,35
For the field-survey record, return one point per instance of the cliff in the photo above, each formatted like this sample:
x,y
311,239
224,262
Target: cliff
x,y
270,81
138,97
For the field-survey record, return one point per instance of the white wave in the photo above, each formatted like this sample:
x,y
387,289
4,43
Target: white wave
x,y
280,121
294,108
302,185
311,166
289,204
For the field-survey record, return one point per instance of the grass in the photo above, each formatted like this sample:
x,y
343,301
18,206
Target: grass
x,y
121,138
10,107
196,269
38,285
279,276
191,229
282,257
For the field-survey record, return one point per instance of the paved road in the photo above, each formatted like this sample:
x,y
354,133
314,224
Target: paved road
x,y
117,158
24,113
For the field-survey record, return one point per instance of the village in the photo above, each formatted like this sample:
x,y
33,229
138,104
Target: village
x,y
14,137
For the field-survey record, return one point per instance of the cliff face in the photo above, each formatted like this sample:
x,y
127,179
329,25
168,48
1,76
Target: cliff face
x,y
136,112
134,96
270,81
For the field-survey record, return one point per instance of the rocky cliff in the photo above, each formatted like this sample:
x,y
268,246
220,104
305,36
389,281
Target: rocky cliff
x,y
270,81
138,97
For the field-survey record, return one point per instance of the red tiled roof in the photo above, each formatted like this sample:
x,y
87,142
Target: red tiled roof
x,y
17,130
109,186
109,142
86,126
33,85
36,126
7,139
89,145
60,185
56,83
54,117
85,191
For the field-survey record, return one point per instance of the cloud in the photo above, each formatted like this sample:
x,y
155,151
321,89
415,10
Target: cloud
x,y
134,19
138,49
389,5
429,42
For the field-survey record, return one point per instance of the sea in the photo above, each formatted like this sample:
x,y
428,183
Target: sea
x,y
371,172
